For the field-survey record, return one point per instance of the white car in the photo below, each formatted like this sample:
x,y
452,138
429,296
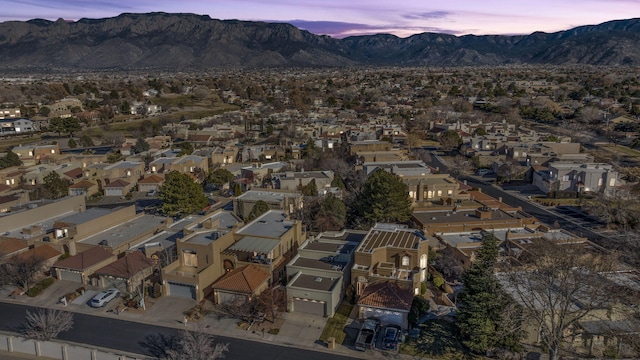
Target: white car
x,y
103,297
152,192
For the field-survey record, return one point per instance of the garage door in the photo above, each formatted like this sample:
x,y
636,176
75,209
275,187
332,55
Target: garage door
x,y
386,317
309,306
231,299
71,276
182,290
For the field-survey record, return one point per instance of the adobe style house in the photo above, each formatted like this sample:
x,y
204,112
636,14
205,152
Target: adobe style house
x,y
390,253
126,273
320,273
84,188
224,155
240,285
184,164
293,181
387,302
80,268
216,246
151,182
286,201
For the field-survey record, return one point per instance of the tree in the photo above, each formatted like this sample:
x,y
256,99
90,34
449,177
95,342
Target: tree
x,y
483,304
114,156
450,139
86,140
46,324
54,186
419,307
45,111
237,190
220,176
332,214
557,288
259,208
21,270
180,194
383,198
196,345
311,189
72,144
186,148
11,159
141,145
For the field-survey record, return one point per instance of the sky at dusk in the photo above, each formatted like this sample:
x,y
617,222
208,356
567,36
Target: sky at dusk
x,y
340,18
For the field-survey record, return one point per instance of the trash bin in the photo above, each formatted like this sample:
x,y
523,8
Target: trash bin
x,y
331,343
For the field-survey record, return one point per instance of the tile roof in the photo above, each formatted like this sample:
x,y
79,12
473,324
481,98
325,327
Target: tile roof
x,y
44,252
9,246
245,279
117,184
386,295
82,184
151,179
127,266
74,173
85,259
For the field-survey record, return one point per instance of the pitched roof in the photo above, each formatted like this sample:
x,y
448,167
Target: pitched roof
x,y
117,184
127,266
245,279
74,173
386,295
82,184
151,179
85,259
9,246
44,252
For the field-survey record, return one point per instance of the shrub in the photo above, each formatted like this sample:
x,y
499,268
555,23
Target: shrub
x,y
39,287
423,288
438,281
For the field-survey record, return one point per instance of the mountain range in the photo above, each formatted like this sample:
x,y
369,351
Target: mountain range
x,y
176,41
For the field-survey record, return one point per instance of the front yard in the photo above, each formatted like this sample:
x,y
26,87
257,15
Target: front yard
x,y
336,324
438,339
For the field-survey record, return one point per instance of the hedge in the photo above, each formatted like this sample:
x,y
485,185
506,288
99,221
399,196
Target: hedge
x,y
39,287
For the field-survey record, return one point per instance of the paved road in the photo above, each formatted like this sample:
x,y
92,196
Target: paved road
x,y
543,214
131,337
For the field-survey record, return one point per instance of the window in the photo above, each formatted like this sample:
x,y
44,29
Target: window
x,y
439,192
412,194
600,182
405,260
565,178
190,258
612,182
449,192
423,261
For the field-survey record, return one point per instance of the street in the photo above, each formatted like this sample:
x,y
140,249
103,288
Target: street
x,y
132,336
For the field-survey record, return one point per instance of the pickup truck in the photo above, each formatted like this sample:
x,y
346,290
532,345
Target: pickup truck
x,y
367,335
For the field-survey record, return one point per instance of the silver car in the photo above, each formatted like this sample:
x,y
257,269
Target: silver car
x,y
103,297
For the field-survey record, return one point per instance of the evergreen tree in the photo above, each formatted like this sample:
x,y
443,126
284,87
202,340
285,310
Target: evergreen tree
x,y
11,159
311,189
180,194
237,190
484,305
54,186
72,144
259,208
186,148
219,177
337,182
141,145
332,214
384,198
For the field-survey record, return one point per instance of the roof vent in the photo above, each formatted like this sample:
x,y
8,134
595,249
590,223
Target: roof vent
x,y
318,279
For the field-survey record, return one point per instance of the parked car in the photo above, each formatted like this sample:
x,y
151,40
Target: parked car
x,y
390,339
367,335
152,192
103,297
483,172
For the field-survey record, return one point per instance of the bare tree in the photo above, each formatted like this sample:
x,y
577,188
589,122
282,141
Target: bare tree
x,y
272,301
558,287
46,324
21,270
196,345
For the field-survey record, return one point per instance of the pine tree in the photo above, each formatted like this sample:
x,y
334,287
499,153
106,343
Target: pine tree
x,y
384,198
484,304
259,208
180,194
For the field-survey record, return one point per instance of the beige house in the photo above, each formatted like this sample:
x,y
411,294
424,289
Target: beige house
x,y
276,199
390,253
240,285
80,268
127,273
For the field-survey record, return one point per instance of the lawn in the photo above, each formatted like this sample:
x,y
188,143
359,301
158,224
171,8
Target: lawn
x,y
335,325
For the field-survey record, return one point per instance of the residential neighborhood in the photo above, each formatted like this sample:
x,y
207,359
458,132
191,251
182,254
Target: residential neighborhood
x,y
399,199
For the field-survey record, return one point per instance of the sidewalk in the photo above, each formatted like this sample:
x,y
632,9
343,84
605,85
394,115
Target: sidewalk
x,y
297,330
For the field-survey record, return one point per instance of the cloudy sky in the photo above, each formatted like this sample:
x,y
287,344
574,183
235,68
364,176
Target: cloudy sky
x,y
340,18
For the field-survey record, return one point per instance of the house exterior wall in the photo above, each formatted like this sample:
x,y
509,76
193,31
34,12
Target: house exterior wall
x,y
42,212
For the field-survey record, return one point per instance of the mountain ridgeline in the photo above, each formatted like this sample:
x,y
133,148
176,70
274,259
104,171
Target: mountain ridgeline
x,y
189,41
